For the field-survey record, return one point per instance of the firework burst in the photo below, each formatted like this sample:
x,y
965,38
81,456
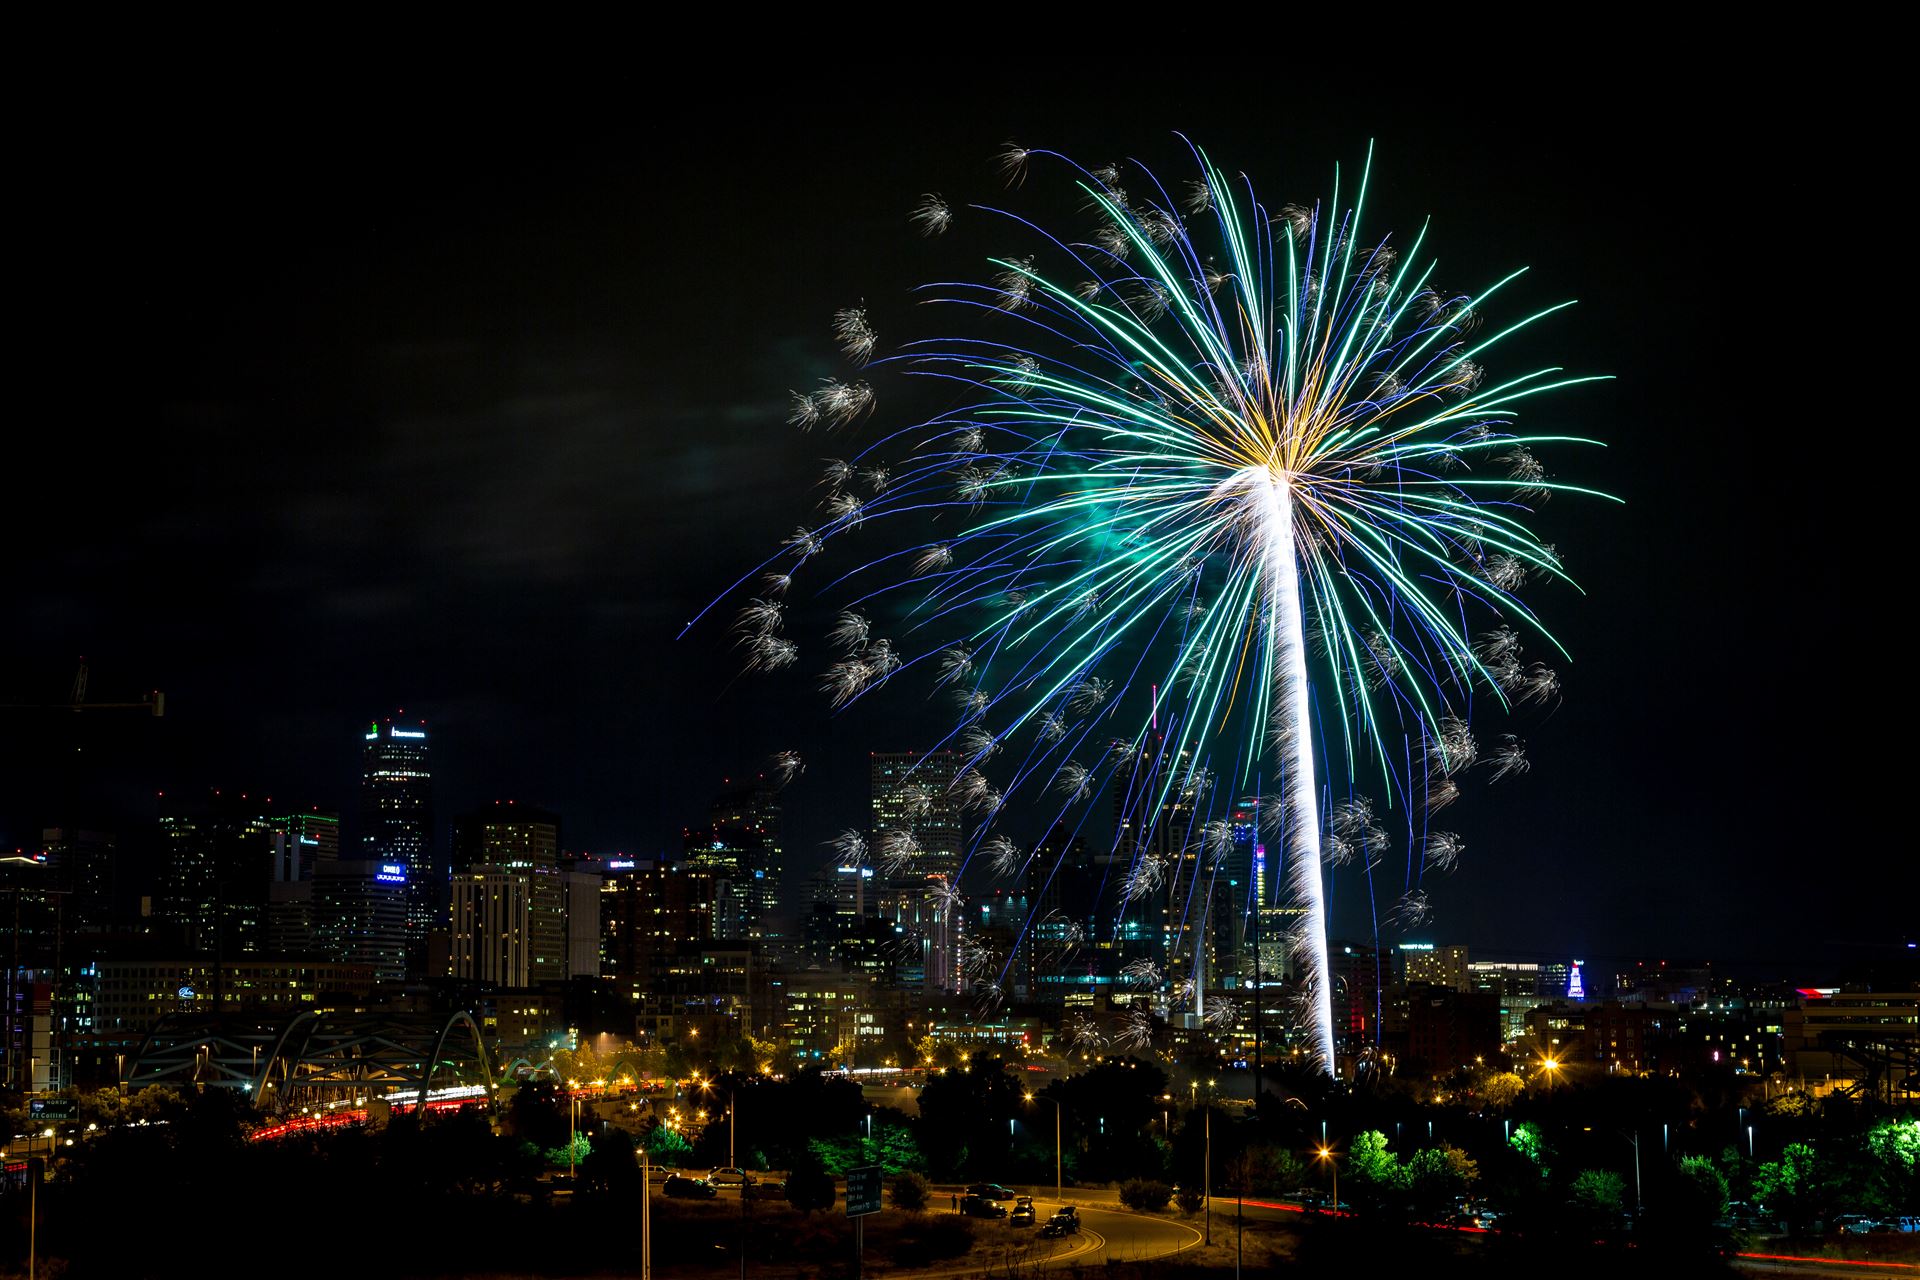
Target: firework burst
x,y
1234,482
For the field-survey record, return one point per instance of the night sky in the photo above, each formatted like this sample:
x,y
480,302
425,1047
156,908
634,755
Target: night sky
x,y
467,411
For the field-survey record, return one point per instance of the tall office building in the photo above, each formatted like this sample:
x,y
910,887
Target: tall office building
x,y
82,863
493,925
910,791
396,823
219,866
359,915
740,847
522,838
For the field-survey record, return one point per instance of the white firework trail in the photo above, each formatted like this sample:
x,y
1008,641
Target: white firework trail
x,y
1540,684
895,851
856,336
847,680
1452,747
1015,285
850,846
836,473
1222,1014
768,652
956,664
932,216
876,479
1074,780
785,766
777,583
979,743
850,631
1141,973
1136,1033
761,616
1002,855
1443,850
1508,759
1088,694
933,559
1441,792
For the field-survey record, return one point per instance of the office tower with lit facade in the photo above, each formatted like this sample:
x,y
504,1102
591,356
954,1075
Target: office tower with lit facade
x,y
218,872
740,847
396,823
493,925
909,791
512,837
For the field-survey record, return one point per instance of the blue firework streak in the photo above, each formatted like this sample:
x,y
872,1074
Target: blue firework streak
x,y
1239,515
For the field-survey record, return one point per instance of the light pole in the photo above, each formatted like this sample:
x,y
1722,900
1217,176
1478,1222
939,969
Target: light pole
x,y
646,1214
1333,1161
1206,1176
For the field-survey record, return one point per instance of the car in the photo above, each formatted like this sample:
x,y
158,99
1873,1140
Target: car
x,y
1064,1223
990,1191
684,1188
1855,1224
729,1177
1023,1214
767,1189
980,1207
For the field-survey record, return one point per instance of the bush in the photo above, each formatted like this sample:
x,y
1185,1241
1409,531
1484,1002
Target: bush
x,y
1190,1198
911,1192
1145,1195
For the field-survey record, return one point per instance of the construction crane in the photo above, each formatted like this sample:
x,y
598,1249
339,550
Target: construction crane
x,y
154,703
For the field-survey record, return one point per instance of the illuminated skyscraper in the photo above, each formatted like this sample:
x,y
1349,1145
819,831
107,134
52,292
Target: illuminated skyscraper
x,y
396,823
740,847
909,791
520,838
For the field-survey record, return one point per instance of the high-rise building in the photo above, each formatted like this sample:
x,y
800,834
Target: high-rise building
x,y
523,838
582,891
82,863
740,846
646,912
1425,964
219,866
396,823
913,792
360,915
493,925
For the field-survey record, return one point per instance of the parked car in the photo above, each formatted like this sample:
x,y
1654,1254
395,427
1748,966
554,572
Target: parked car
x,y
989,1191
1022,1215
684,1188
1855,1224
980,1207
767,1189
1064,1223
729,1177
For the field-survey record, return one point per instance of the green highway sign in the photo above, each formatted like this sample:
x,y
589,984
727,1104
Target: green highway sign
x,y
863,1191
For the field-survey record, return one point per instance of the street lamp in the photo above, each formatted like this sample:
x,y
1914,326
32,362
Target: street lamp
x,y
1332,1158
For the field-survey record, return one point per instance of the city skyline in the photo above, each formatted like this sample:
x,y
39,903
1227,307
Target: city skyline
x,y
468,431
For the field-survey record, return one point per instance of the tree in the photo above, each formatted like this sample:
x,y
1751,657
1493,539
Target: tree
x,y
1704,1185
665,1146
536,1114
810,1187
911,1191
610,1165
1596,1198
1499,1090
1190,1197
1529,1142
1436,1178
1893,1151
1791,1186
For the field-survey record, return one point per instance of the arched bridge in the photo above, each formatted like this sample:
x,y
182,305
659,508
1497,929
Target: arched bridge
x,y
311,1056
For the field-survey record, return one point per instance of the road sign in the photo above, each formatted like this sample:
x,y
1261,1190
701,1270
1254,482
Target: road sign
x,y
863,1191
51,1108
